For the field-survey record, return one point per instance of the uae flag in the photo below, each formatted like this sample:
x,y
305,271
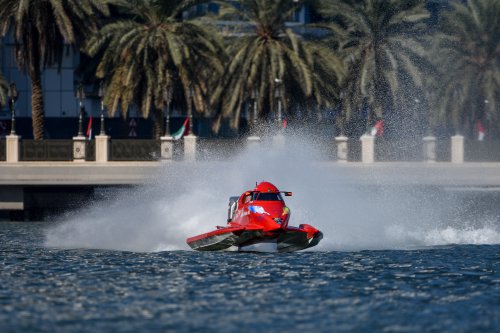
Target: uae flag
x,y
480,131
182,131
378,128
89,128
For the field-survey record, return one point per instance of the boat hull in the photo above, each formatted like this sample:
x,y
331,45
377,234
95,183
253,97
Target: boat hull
x,y
287,240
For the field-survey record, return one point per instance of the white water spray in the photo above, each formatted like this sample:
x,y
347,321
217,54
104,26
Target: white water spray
x,y
191,198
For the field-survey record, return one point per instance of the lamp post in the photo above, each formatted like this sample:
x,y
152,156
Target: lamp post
x,y
253,138
278,94
13,95
80,95
167,99
101,96
254,95
191,95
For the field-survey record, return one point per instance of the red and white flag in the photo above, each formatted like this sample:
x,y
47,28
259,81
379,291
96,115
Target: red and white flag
x,y
378,128
480,131
89,128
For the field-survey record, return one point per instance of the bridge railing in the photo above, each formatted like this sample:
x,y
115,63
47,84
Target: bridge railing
x,y
482,151
210,149
3,150
216,149
135,150
46,150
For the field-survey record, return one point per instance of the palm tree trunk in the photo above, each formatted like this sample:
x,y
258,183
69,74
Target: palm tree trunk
x,y
158,126
37,105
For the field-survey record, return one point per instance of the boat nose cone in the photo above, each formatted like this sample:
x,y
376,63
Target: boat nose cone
x,y
318,235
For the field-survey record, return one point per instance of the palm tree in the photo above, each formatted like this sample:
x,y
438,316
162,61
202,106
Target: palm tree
x,y
468,54
266,56
151,53
383,45
41,29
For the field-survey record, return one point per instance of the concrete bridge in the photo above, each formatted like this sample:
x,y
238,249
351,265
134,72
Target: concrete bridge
x,y
32,185
134,173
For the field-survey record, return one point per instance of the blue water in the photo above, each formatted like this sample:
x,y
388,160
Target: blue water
x,y
453,288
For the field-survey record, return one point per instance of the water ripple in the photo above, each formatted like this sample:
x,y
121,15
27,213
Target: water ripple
x,y
448,288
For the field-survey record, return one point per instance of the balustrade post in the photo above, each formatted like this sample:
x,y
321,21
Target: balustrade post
x,y
342,149
12,148
79,148
190,142
101,148
167,147
429,149
253,141
367,148
457,149
279,141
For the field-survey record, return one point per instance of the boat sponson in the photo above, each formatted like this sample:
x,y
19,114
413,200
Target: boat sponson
x,y
289,240
296,240
214,242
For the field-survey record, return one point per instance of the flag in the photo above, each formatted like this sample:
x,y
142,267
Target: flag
x,y
89,128
378,128
285,124
480,131
182,131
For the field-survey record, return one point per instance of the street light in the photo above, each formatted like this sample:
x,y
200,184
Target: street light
x,y
13,96
191,95
254,95
80,95
278,94
167,99
101,96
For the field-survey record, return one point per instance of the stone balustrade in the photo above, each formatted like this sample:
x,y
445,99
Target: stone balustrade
x,y
103,149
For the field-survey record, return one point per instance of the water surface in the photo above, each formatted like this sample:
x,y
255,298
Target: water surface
x,y
454,288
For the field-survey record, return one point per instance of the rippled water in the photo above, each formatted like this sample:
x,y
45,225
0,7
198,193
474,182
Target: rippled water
x,y
452,288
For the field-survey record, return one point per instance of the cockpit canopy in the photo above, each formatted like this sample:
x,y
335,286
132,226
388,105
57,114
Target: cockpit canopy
x,y
266,196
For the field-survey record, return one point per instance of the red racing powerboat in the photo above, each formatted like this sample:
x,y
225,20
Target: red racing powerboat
x,y
258,216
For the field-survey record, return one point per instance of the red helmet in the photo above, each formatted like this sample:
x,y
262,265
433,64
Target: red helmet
x,y
265,187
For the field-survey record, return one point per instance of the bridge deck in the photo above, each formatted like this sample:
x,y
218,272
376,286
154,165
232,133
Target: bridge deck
x,y
131,173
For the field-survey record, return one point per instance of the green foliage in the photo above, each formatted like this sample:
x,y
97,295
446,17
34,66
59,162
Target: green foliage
x,y
150,53
467,52
41,29
382,45
377,53
265,52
